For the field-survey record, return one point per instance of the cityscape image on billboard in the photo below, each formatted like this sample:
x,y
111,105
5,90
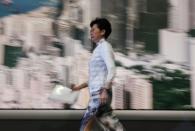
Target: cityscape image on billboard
x,y
47,42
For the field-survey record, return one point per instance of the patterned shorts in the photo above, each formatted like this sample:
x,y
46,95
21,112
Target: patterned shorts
x,y
103,114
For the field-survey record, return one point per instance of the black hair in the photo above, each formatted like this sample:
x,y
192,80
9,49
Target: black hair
x,y
102,24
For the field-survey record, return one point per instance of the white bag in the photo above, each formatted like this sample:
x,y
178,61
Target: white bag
x,y
64,94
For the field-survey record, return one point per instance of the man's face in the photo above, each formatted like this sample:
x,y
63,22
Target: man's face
x,y
96,34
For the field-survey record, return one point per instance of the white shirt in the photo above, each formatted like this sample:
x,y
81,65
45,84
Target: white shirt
x,y
101,66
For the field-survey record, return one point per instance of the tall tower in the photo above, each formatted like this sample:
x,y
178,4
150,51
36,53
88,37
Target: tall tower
x,y
192,67
91,10
36,28
175,36
192,14
118,96
179,15
152,16
132,17
116,12
140,92
191,51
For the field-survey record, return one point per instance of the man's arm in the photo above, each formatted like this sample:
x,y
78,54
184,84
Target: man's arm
x,y
78,87
108,57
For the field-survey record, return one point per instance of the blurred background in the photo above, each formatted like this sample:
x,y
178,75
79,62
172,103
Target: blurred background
x,y
44,42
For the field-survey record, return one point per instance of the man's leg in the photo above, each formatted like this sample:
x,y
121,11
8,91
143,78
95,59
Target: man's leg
x,y
88,118
89,125
107,118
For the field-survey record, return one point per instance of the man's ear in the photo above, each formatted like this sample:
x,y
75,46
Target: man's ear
x,y
103,32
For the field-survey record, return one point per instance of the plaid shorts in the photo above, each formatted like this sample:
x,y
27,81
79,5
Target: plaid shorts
x,y
105,117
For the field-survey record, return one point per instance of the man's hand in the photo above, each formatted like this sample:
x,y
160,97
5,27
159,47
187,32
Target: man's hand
x,y
74,87
103,96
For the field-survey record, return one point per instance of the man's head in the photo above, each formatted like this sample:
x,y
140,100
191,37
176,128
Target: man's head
x,y
100,28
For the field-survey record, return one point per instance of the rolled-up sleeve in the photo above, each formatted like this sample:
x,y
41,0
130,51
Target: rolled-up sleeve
x,y
108,57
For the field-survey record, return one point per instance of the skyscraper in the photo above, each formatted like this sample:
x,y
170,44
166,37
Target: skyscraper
x,y
36,28
2,27
192,67
173,45
118,95
131,91
176,33
179,15
140,92
192,13
152,16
